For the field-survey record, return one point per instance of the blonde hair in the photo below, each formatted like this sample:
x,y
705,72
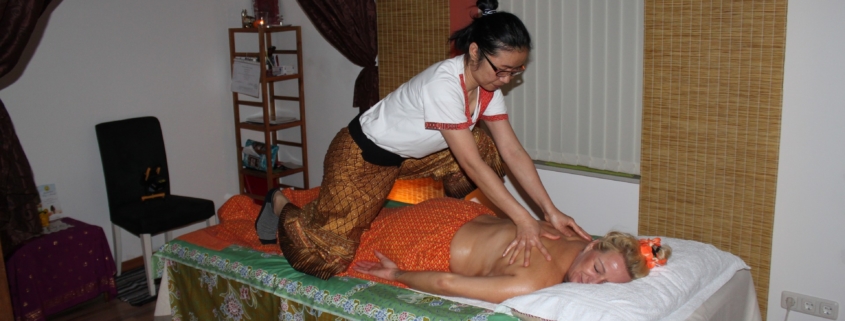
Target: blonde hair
x,y
629,247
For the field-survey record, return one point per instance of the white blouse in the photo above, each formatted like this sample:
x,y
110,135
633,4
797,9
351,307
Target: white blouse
x,y
408,120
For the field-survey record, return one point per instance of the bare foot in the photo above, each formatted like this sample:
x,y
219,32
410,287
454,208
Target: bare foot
x,y
279,202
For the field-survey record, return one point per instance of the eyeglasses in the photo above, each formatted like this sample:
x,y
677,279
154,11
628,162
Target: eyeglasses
x,y
504,73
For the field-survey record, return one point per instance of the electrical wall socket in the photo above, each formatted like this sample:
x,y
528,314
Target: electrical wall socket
x,y
810,305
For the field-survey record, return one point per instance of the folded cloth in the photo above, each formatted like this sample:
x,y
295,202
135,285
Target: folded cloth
x,y
416,238
237,218
672,292
237,224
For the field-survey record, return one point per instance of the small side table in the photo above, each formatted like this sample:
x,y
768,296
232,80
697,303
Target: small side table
x,y
55,271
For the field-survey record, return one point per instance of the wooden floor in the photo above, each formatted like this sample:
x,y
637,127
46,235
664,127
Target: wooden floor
x,y
113,310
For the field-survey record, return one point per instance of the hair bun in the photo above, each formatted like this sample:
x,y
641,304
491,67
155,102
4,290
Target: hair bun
x,y
487,7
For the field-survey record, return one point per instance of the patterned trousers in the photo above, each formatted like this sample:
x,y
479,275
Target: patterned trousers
x,y
320,238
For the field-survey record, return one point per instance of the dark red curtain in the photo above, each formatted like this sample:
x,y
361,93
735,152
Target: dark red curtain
x,y
18,194
350,26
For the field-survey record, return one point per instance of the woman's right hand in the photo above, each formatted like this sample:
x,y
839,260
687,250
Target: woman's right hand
x,y
528,233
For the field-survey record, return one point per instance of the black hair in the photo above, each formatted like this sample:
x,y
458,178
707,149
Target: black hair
x,y
492,31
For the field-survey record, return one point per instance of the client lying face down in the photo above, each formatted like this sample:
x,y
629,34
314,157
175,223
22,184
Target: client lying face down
x,y
452,247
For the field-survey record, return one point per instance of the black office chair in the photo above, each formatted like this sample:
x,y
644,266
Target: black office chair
x,y
138,189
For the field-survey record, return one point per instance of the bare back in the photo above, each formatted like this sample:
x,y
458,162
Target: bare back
x,y
476,250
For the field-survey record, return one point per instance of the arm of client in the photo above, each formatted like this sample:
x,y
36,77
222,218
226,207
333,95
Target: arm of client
x,y
488,288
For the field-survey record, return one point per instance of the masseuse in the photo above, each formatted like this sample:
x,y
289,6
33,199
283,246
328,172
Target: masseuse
x,y
426,128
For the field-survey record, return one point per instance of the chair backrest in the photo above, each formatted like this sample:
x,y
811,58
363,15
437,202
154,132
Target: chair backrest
x,y
127,149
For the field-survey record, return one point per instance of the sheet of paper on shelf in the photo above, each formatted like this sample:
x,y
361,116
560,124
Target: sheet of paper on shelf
x,y
248,150
246,77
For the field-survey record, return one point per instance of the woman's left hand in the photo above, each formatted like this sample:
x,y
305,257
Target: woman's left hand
x,y
561,221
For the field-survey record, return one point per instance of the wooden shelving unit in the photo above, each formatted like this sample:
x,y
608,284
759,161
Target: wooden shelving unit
x,y
267,104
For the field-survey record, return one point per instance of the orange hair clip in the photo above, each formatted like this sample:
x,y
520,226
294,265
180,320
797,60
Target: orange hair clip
x,y
649,249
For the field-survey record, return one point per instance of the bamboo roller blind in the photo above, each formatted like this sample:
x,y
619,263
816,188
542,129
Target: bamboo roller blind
x,y
713,76
412,35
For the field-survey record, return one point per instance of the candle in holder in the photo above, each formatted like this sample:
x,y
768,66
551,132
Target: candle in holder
x,y
259,23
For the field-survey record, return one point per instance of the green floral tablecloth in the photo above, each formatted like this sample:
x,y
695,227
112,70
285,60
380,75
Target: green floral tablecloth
x,y
239,283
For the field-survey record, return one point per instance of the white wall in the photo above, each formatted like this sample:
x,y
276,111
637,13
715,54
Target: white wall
x,y
808,252
597,205
329,84
102,60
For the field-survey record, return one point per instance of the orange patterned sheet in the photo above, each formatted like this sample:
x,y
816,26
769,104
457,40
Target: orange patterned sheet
x,y
237,223
416,237
237,226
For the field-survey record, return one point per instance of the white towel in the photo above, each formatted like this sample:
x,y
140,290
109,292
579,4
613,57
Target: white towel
x,y
672,292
